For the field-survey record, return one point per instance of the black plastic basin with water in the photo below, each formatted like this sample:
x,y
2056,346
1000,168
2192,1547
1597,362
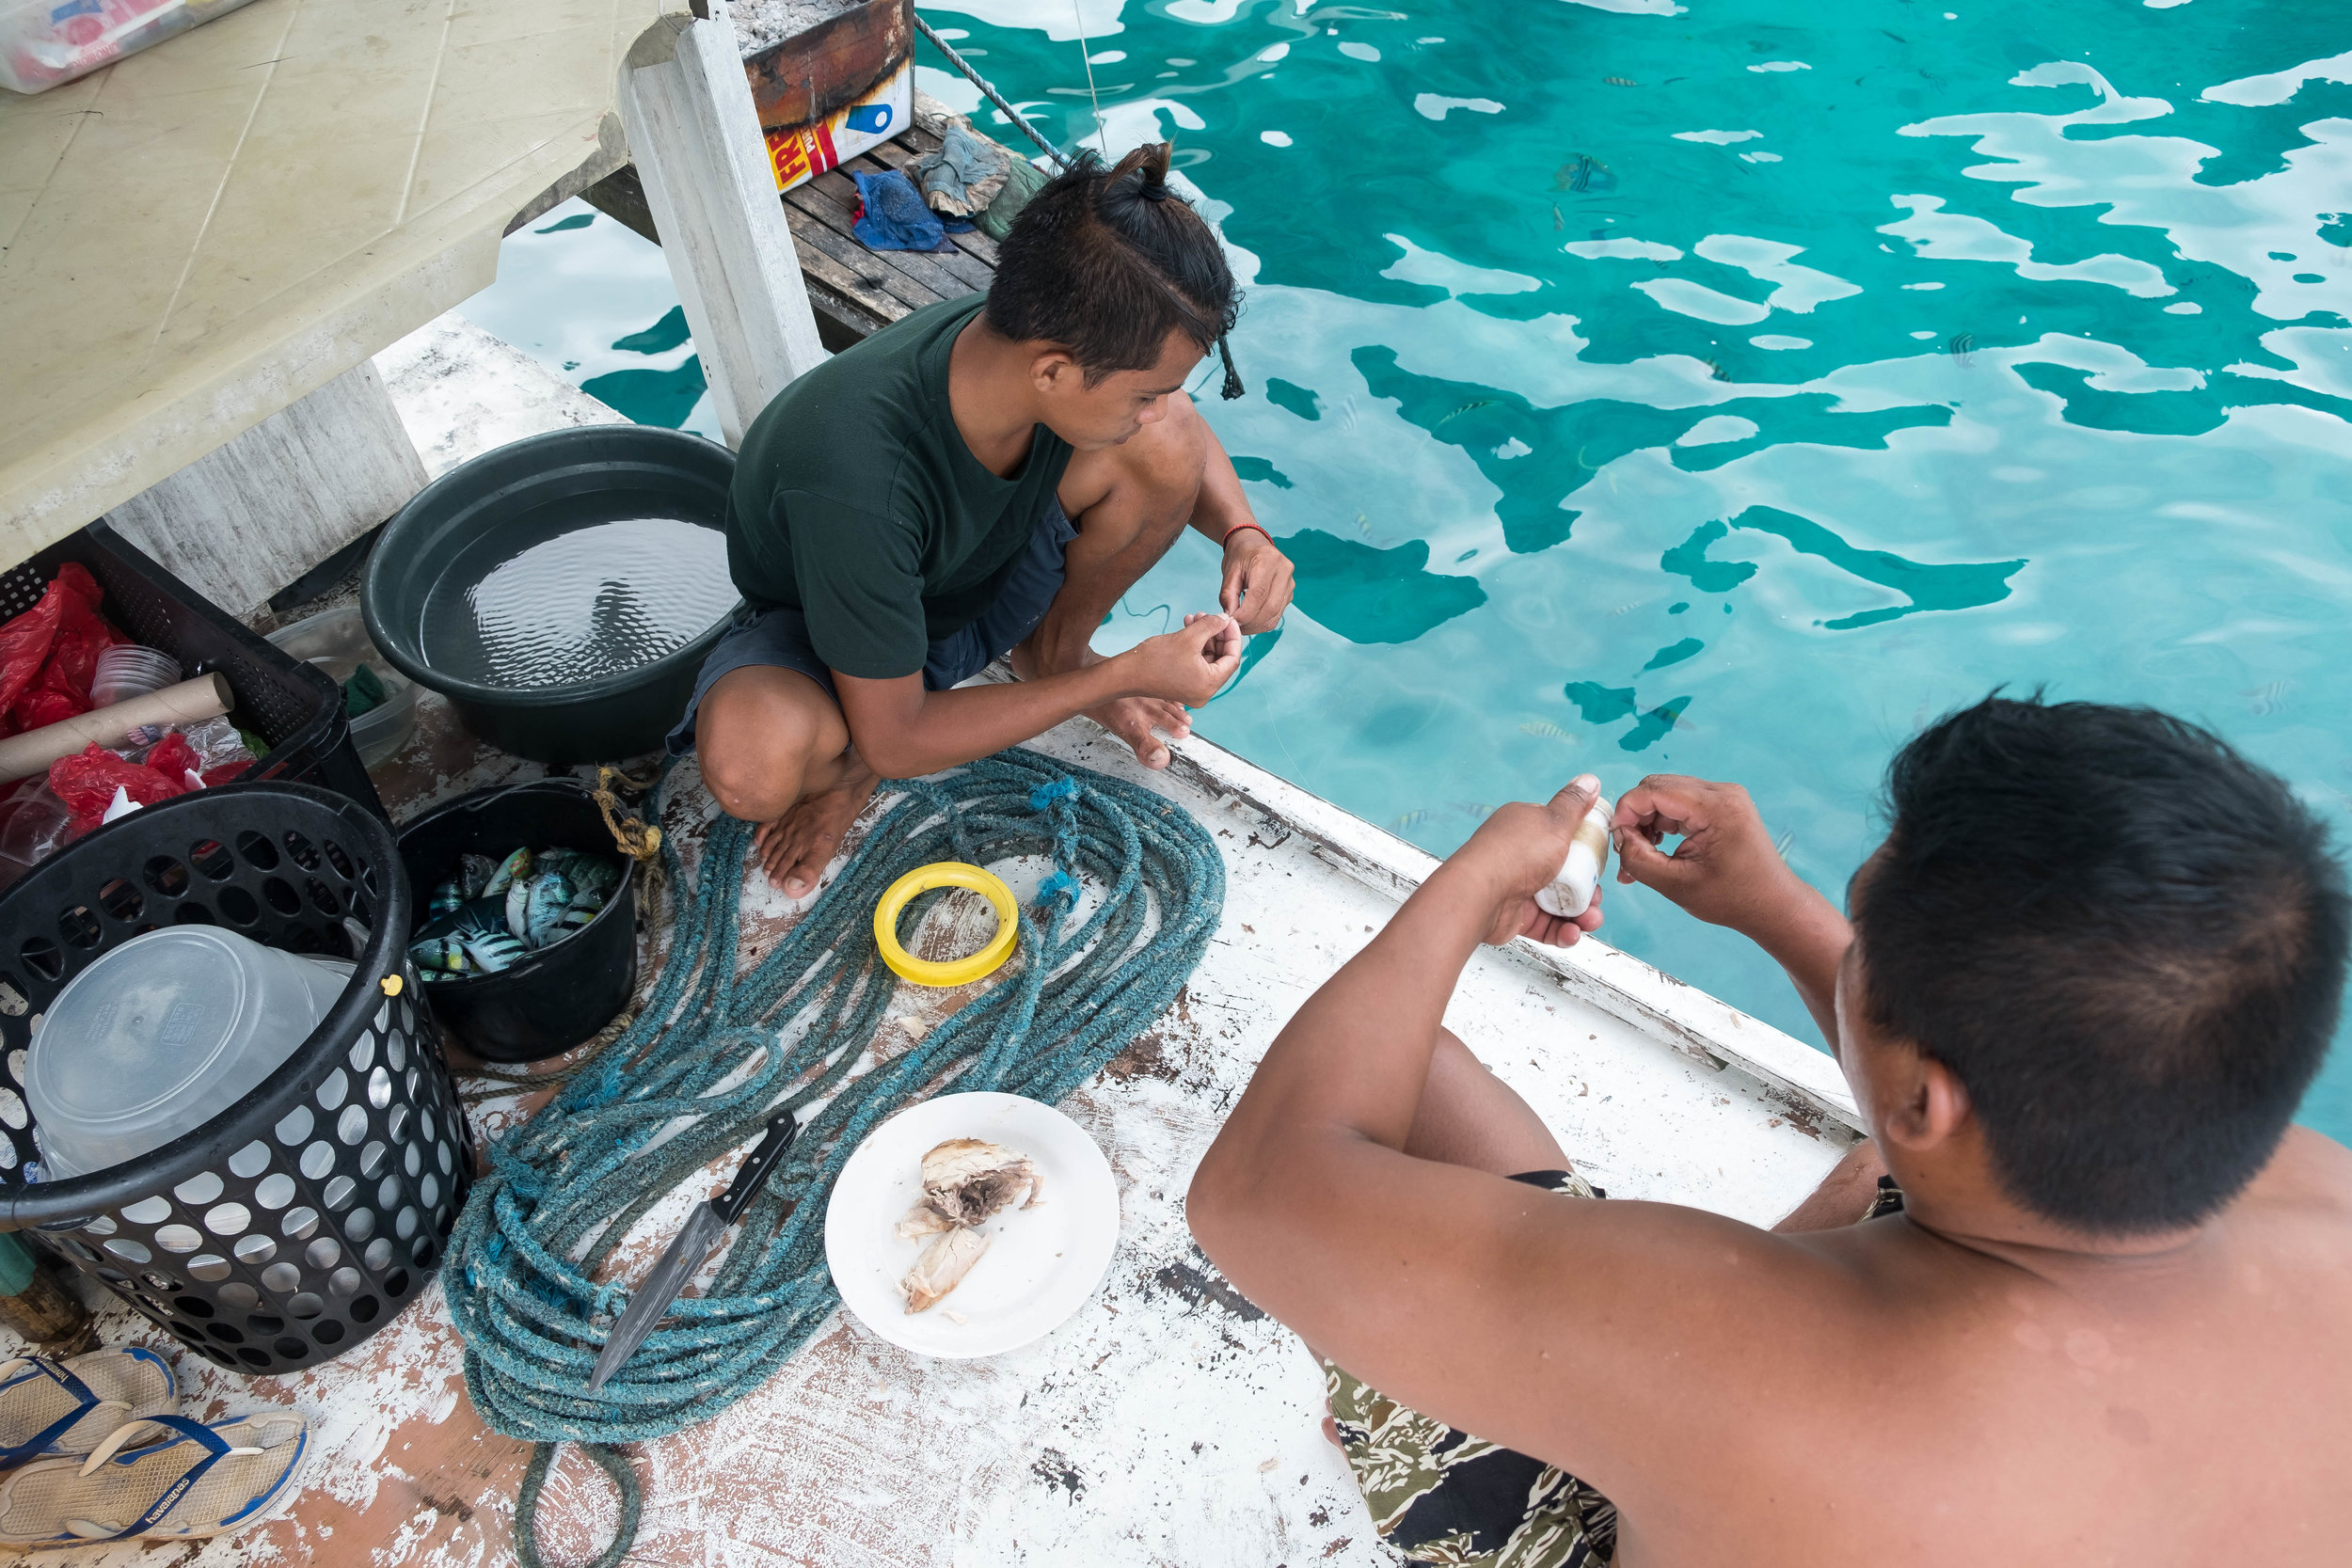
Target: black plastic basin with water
x,y
561,591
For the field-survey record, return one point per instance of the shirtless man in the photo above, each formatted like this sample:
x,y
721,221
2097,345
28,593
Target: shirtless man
x,y
2101,1314
987,476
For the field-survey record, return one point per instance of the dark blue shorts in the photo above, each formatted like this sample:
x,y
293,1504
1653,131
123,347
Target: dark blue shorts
x,y
778,636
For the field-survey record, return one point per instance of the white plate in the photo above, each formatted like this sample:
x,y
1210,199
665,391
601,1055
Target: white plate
x,y
1042,1263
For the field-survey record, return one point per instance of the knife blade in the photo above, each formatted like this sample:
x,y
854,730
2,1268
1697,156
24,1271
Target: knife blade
x,y
706,1226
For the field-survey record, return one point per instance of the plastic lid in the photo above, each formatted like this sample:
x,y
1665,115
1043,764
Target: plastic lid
x,y
145,1025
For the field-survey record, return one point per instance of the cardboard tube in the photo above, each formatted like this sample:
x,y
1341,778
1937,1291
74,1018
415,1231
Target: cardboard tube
x,y
189,702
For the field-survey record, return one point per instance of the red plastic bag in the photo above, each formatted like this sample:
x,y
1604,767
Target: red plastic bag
x,y
174,758
86,783
49,654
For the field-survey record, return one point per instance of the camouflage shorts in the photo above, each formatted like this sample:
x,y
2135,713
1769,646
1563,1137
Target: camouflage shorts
x,y
1441,1496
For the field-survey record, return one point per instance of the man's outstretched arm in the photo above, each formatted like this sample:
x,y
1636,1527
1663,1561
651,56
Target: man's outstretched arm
x,y
1592,1335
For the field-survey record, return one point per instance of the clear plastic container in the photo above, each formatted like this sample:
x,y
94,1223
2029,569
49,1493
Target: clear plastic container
x,y
337,642
127,670
163,1034
44,42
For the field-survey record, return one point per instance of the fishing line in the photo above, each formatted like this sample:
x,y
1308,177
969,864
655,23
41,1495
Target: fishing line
x,y
1085,53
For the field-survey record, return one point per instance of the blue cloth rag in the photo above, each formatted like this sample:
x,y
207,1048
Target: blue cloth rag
x,y
891,216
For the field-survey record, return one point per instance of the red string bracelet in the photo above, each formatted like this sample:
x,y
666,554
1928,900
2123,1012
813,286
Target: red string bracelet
x,y
1238,527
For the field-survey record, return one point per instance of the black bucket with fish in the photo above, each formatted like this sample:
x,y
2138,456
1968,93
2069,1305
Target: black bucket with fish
x,y
547,1001
563,590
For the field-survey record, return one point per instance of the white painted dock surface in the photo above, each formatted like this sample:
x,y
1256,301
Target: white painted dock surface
x,y
1167,1422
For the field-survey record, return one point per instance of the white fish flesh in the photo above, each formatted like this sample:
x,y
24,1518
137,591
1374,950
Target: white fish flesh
x,y
941,1267
967,1181
921,1221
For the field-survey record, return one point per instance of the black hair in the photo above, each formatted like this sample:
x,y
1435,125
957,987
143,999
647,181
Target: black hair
x,y
1108,263
2124,940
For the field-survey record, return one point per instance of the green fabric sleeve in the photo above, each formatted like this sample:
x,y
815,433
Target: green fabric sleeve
x,y
861,585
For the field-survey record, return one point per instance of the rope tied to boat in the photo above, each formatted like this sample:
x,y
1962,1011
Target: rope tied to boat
x,y
638,839
712,1054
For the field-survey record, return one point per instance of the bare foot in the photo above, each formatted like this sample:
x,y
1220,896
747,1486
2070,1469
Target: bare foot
x,y
795,849
1134,719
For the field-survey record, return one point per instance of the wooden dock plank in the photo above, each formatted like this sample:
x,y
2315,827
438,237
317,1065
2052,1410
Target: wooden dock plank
x,y
813,234
818,266
948,274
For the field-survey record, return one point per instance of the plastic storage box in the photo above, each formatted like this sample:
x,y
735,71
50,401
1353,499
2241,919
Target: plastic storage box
x,y
43,42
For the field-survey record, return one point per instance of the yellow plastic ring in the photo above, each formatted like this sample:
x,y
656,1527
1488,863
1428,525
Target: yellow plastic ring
x,y
953,971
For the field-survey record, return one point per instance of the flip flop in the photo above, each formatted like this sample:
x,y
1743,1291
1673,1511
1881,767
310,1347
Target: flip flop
x,y
68,1407
214,1478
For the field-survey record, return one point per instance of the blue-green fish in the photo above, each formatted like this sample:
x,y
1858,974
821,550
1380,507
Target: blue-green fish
x,y
513,869
596,874
433,953
556,859
550,894
480,925
586,904
496,951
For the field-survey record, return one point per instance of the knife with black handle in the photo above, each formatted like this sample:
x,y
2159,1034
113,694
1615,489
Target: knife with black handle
x,y
684,1258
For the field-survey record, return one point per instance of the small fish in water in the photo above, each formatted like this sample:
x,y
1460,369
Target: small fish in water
x,y
543,909
1960,346
1545,729
1716,368
1471,406
1476,810
1626,608
1413,819
2267,700
1619,82
1585,175
511,870
1780,844
447,896
1558,223
475,873
1363,525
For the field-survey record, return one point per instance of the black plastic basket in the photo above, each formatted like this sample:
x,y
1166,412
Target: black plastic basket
x,y
297,1221
289,703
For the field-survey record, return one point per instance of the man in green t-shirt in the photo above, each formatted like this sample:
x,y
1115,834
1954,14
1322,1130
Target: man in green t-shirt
x,y
985,477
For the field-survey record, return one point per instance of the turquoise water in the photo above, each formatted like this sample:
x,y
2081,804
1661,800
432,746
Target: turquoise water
x,y
1644,387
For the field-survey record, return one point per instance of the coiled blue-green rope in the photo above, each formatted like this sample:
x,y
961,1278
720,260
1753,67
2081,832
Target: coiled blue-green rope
x,y
727,1050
